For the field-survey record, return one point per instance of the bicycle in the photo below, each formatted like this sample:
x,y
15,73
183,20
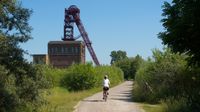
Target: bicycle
x,y
106,84
105,95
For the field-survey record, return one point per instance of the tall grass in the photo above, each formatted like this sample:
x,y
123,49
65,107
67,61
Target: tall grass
x,y
61,100
175,105
153,108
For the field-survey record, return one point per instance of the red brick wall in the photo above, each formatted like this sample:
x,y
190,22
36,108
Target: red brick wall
x,y
64,53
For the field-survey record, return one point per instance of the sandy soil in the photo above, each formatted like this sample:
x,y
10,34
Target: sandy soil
x,y
119,100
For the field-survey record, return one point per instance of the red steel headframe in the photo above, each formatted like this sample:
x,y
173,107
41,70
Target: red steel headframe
x,y
72,15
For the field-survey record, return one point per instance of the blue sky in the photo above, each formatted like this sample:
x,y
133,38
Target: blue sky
x,y
128,25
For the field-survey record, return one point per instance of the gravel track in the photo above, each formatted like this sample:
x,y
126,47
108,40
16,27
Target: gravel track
x,y
119,100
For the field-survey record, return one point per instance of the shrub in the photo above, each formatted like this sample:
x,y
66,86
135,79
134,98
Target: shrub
x,y
138,93
191,90
142,91
82,77
168,77
114,74
79,77
176,105
53,75
158,76
21,93
8,99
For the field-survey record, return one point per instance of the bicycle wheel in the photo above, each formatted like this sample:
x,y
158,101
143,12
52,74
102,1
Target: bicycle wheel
x,y
105,96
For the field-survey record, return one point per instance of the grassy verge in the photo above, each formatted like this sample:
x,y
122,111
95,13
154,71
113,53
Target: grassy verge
x,y
152,108
60,100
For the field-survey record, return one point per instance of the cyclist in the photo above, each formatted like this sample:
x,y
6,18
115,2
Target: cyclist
x,y
106,84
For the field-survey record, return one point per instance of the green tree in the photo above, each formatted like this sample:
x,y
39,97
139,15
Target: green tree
x,y
136,62
182,27
129,66
117,55
125,65
7,95
14,29
21,82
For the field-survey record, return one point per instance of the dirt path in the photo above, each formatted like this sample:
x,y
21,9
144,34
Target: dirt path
x,y
119,100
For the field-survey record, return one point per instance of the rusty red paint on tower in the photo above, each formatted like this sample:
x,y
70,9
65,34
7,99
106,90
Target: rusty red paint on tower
x,y
72,15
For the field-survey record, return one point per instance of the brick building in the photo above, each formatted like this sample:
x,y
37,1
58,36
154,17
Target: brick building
x,y
62,54
65,53
40,59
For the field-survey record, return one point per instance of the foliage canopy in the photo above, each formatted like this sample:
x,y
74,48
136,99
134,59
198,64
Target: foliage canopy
x,y
117,55
20,81
182,25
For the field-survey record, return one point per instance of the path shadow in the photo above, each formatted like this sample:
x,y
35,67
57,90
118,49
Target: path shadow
x,y
123,95
92,100
123,99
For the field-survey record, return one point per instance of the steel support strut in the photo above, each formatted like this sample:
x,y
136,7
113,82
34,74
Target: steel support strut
x,y
72,14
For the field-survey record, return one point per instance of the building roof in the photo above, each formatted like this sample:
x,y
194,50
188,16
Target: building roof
x,y
65,42
38,54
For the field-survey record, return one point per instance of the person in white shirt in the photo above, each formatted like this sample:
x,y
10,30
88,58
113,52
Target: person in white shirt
x,y
106,84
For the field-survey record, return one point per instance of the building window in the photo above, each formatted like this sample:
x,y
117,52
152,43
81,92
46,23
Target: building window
x,y
59,50
66,50
55,50
72,50
62,50
77,50
52,50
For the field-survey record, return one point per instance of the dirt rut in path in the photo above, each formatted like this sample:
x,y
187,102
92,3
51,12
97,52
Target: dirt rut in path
x,y
119,100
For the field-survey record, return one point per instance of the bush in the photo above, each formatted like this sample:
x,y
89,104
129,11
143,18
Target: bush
x,y
79,77
21,93
139,95
114,74
176,105
82,77
53,75
142,91
8,99
191,90
158,76
167,77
